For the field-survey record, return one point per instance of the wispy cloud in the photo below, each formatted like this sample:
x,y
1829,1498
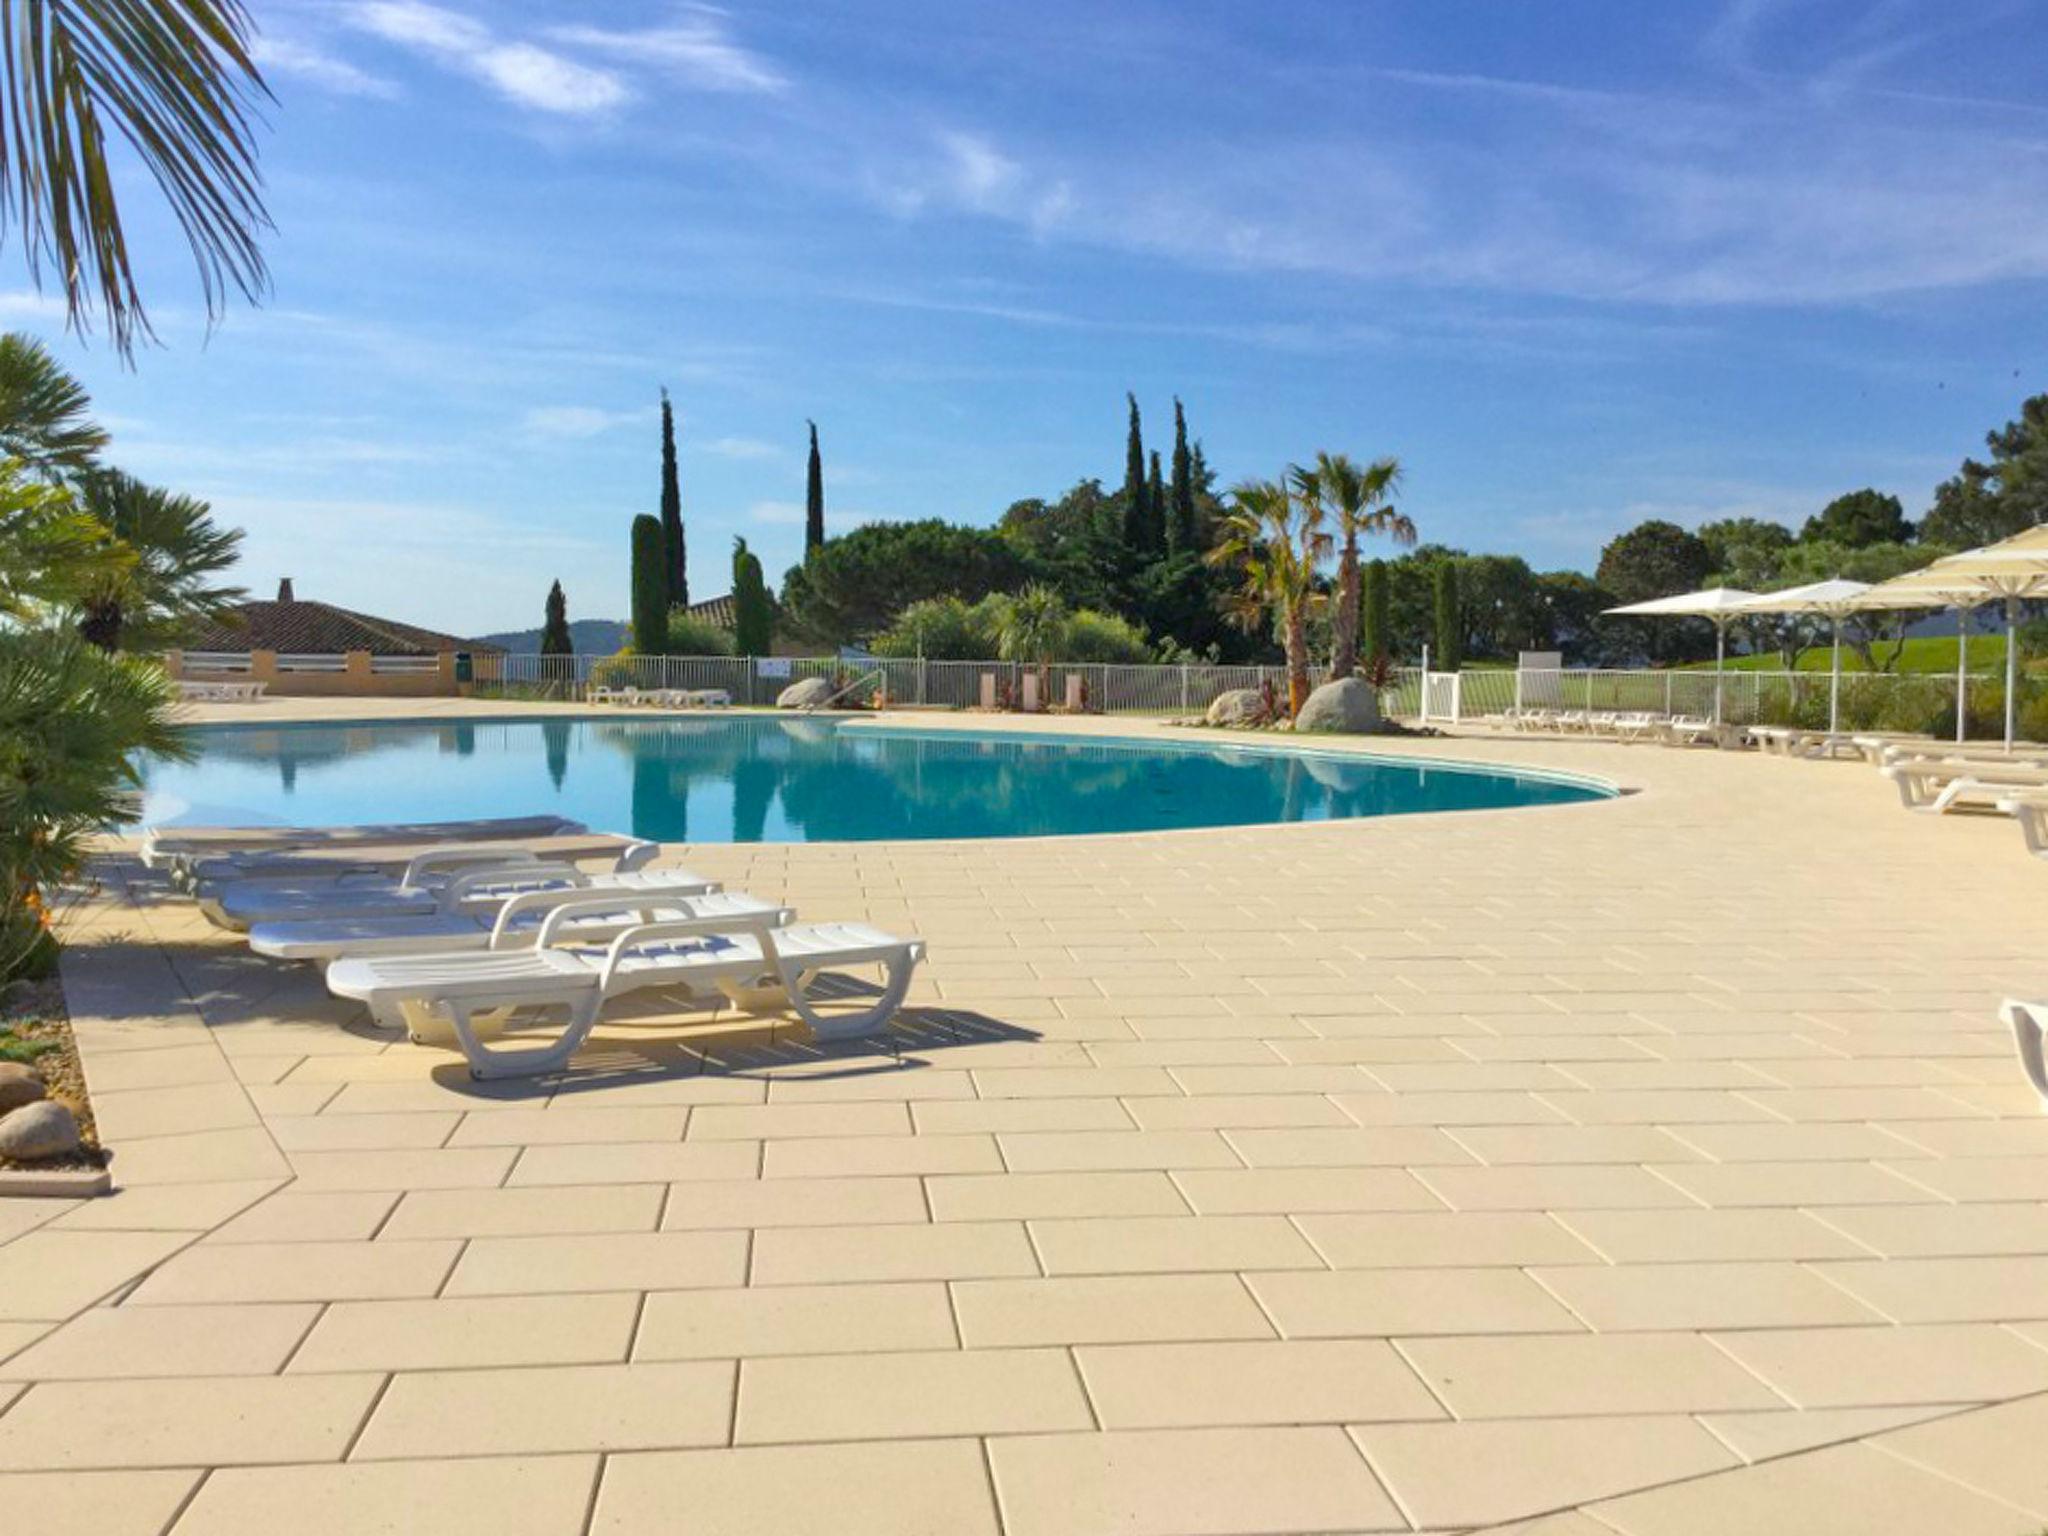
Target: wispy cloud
x,y
27,304
697,48
521,71
578,420
776,512
736,447
326,71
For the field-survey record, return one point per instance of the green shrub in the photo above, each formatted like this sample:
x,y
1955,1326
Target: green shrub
x,y
689,636
941,629
1096,636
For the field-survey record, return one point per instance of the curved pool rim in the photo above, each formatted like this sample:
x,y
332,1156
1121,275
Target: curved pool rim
x,y
1054,732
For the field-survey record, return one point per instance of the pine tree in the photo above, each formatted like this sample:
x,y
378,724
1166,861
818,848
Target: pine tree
x,y
814,499
1135,520
650,588
1180,514
1378,606
554,633
753,611
1449,632
675,557
1155,509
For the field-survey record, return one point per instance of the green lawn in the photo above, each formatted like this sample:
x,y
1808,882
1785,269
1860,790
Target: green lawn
x,y
1930,653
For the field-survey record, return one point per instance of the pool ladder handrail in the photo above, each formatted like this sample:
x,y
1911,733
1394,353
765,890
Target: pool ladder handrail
x,y
833,698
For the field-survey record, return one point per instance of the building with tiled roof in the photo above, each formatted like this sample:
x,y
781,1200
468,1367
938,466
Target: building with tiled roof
x,y
292,627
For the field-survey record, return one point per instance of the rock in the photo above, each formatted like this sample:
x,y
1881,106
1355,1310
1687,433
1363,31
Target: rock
x,y
1240,706
1350,704
37,1132
19,1085
804,692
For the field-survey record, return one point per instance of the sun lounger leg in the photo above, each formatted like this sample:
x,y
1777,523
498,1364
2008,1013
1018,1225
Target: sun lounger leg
x,y
531,1060
2026,1034
847,1026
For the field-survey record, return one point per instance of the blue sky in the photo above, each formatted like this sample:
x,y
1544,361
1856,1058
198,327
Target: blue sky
x,y
1574,263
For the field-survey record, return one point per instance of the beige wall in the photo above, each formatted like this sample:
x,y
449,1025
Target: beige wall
x,y
355,680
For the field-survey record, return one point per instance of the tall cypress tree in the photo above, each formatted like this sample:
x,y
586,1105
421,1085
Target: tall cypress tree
x,y
814,499
753,612
1180,515
650,588
1155,508
1135,520
554,633
1378,605
675,558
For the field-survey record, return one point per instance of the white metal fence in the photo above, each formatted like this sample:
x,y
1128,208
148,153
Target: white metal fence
x,y
1914,701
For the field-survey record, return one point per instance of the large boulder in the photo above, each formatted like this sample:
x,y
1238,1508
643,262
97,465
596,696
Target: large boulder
x,y
37,1132
1350,705
804,693
1240,706
19,1085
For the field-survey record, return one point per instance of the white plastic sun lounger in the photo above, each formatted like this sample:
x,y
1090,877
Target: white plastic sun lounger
x,y
323,863
439,880
2026,1021
1936,788
440,994
2031,812
649,897
163,846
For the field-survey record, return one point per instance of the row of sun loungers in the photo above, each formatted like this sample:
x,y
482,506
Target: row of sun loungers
x,y
462,935
661,698
219,693
1619,725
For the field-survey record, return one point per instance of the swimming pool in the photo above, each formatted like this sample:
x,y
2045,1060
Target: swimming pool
x,y
764,779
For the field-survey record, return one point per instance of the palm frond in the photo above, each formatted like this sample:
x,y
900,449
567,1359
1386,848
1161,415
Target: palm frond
x,y
174,80
43,420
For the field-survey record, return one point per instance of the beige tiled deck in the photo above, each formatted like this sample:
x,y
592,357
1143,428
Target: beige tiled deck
x,y
1651,1167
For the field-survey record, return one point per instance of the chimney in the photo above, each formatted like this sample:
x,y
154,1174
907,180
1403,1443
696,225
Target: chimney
x,y
284,591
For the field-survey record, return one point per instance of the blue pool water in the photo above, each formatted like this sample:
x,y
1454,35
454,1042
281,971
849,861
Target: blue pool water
x,y
759,779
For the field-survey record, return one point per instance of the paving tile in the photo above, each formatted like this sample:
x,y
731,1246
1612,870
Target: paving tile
x,y
1099,1309
1443,1109
476,1331
164,1207
1537,1188
292,1216
1017,1196
948,1250
838,1156
232,1272
750,1321
943,1117
1849,1490
1237,1111
1284,1191
48,1275
360,1133
236,1340
98,1503
1565,1375
1444,1239
657,1405
907,1396
1381,1303
1168,1386
1948,1290
764,1122
526,1266
1824,1142
1509,1145
1943,1231
712,1203
441,1168
203,1421
1077,1151
1881,1367
1762,1436
1651,1237
525,1212
1354,1147
1187,1482
1995,1451
1732,1295
1454,1475
1137,1244
1612,1104
638,1162
504,1495
902,1488
1730,1184
1977,1178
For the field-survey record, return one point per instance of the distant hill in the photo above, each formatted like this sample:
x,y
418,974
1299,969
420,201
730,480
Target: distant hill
x,y
592,637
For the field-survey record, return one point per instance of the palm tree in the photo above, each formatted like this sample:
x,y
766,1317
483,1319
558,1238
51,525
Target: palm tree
x,y
1274,537
171,81
1355,497
165,587
1032,627
51,552
43,411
